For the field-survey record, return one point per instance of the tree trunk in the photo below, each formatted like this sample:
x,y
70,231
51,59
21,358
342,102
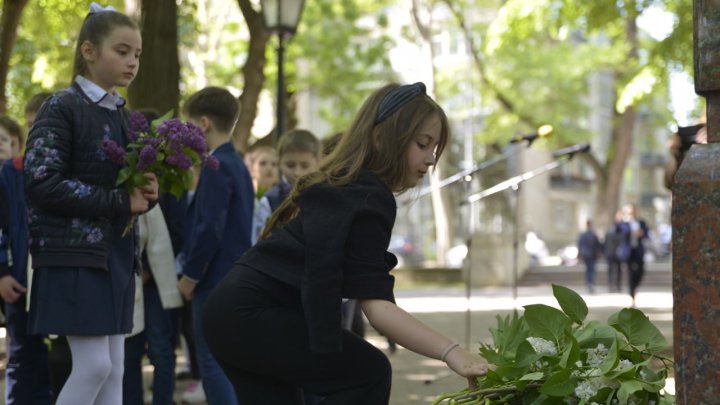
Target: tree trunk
x,y
253,74
11,15
444,214
622,137
157,84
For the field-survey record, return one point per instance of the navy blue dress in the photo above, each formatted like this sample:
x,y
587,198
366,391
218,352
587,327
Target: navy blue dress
x,y
83,301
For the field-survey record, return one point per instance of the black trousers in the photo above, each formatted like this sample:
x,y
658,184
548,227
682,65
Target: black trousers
x,y
636,270
256,330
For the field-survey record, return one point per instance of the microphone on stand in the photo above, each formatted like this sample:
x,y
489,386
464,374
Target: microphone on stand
x,y
544,131
570,151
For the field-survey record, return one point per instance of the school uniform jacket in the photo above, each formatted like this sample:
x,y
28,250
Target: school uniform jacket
x,y
335,248
70,182
221,212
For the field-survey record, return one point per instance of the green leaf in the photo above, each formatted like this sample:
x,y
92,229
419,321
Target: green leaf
x,y
571,303
603,394
559,384
532,376
123,175
611,360
176,189
571,354
626,389
594,333
138,179
546,322
188,178
638,329
526,355
156,122
509,334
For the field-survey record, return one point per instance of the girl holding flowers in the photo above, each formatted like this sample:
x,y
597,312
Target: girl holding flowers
x,y
83,284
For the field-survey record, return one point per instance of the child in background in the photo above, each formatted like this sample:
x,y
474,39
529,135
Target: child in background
x,y
219,228
83,281
262,162
27,376
329,241
299,152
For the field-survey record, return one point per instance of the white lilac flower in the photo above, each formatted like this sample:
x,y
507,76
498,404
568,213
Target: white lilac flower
x,y
542,346
624,364
588,388
578,363
597,355
585,390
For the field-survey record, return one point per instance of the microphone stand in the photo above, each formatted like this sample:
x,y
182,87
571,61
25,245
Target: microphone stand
x,y
475,168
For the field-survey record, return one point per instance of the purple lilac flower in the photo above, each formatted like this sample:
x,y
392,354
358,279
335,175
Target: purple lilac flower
x,y
138,124
147,157
195,139
181,135
211,162
172,130
180,161
152,141
114,152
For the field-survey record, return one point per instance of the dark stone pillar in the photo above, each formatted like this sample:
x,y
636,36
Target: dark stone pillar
x,y
696,231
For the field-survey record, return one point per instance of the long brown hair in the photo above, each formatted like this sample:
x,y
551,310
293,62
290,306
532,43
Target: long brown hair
x,y
380,148
96,27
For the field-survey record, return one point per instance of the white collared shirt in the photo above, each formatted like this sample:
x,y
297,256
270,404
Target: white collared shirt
x,y
97,95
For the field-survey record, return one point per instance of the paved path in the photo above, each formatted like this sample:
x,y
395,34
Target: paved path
x,y
418,380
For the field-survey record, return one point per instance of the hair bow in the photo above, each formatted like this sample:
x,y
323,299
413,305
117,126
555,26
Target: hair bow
x,y
96,8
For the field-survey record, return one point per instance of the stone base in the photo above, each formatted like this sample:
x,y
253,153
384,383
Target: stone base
x,y
696,276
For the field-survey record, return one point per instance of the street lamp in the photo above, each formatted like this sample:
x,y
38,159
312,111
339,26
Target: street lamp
x,y
281,17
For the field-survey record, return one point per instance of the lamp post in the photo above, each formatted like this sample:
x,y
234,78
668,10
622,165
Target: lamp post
x,y
281,17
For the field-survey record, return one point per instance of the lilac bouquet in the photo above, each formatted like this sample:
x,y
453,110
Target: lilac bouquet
x,y
167,147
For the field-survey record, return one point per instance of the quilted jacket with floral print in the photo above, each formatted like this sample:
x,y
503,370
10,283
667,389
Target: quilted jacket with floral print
x,y
70,183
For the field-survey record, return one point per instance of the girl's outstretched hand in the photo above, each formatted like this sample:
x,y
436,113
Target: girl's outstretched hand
x,y
467,365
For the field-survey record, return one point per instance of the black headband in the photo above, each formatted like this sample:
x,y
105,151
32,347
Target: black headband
x,y
397,98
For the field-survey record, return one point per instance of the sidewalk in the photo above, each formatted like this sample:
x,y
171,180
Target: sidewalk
x,y
418,380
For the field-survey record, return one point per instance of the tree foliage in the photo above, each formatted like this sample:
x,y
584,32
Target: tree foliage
x,y
341,54
537,59
43,54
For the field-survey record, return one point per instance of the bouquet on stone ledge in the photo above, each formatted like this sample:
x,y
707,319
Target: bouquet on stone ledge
x,y
167,147
551,356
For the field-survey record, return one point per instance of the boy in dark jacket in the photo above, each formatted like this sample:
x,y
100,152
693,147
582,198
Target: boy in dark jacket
x,y
218,233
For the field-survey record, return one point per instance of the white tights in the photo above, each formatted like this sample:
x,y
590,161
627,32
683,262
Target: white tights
x,y
97,371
